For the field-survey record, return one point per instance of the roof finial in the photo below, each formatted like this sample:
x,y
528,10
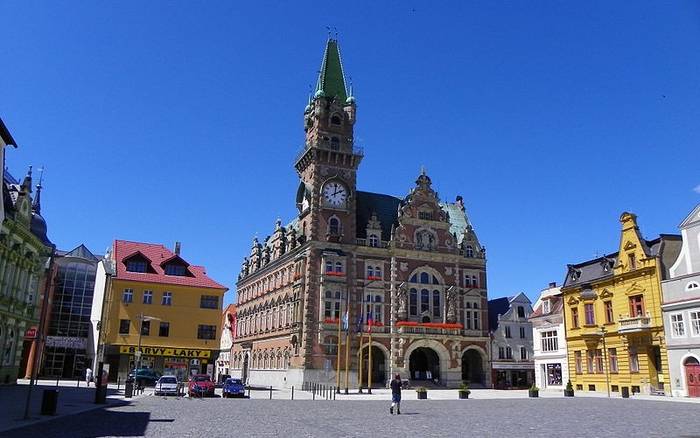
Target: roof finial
x,y
328,28
422,170
36,205
26,186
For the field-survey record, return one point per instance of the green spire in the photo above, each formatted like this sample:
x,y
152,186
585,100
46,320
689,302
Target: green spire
x,y
331,80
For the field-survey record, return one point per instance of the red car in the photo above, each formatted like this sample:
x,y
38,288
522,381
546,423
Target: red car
x,y
201,386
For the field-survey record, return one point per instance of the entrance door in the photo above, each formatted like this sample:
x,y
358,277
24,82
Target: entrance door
x,y
424,364
472,369
692,377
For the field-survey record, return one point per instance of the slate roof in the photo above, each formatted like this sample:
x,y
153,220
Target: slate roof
x,y
557,304
497,306
331,79
79,252
458,219
157,254
667,245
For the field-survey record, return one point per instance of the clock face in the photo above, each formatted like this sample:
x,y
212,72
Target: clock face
x,y
335,194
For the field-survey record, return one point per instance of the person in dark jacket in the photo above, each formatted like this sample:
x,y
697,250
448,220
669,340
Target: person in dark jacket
x,y
396,395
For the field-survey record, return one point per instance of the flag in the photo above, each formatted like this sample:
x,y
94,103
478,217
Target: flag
x,y
370,320
346,321
358,323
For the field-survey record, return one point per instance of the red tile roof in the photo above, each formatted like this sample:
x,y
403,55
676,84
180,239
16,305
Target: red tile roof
x,y
157,254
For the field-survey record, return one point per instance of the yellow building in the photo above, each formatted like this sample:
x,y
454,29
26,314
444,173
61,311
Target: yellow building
x,y
612,308
175,304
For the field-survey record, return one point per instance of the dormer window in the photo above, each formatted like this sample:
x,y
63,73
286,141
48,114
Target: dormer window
x,y
136,266
373,240
469,251
632,261
693,285
175,270
546,306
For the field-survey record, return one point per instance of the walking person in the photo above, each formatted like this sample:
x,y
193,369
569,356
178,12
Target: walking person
x,y
396,395
88,376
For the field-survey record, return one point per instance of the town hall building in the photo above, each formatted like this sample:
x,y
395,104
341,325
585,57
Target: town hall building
x,y
410,268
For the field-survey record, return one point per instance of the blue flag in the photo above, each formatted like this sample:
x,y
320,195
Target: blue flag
x,y
346,322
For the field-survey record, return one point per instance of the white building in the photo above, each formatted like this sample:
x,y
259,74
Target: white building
x,y
681,310
511,342
228,333
549,340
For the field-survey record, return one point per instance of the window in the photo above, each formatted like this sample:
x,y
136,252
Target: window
x,y
467,280
523,353
574,317
695,323
590,313
209,302
373,240
501,353
476,320
136,265
507,329
436,304
124,326
591,387
145,328
692,285
148,297
335,143
634,360
333,226
632,261
338,267
599,361
468,319
546,306
522,332
677,326
413,302
425,215
128,296
378,271
167,299
521,312
612,359
609,316
474,282
614,388
509,353
335,119
590,361
206,331
636,306
550,342
164,329
424,300
329,266
370,271
173,269
469,251
577,359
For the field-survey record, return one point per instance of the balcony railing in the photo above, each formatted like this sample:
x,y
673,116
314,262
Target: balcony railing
x,y
632,324
365,242
419,330
328,146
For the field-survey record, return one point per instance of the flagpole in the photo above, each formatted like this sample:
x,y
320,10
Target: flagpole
x,y
337,362
359,374
347,354
369,366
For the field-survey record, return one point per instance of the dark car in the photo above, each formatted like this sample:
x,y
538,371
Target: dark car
x,y
233,388
144,376
201,386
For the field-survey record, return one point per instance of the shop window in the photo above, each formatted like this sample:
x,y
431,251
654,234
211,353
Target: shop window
x,y
591,387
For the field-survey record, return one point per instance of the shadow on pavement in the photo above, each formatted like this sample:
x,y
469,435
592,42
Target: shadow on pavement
x,y
89,424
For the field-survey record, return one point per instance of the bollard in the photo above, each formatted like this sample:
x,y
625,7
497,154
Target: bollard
x,y
292,392
118,382
334,392
270,392
313,395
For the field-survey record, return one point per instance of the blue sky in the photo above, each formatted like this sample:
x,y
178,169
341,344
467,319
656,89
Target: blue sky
x,y
166,121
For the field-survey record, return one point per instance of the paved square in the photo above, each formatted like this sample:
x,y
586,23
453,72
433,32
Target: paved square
x,y
579,417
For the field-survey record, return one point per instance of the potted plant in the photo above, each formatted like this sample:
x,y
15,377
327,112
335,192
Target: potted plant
x,y
422,393
569,390
464,391
534,391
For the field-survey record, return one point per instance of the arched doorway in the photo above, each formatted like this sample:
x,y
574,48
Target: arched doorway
x,y
692,376
378,367
424,364
472,367
244,372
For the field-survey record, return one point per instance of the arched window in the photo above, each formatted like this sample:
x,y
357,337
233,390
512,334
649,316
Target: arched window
x,y
413,302
424,300
329,266
692,285
370,271
333,226
436,303
373,240
470,251
424,278
335,143
475,283
329,294
338,267
335,119
378,271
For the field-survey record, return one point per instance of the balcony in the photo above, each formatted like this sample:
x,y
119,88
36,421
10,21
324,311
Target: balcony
x,y
633,324
415,328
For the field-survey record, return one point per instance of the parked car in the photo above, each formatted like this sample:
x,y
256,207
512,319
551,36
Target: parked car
x,y
201,386
233,388
144,376
167,385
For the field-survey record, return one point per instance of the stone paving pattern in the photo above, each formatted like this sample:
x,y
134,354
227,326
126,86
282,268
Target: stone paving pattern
x,y
577,417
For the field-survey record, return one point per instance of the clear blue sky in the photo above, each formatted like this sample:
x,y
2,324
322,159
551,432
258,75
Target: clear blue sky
x,y
180,120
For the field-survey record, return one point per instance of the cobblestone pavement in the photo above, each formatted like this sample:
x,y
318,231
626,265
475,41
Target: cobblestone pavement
x,y
577,417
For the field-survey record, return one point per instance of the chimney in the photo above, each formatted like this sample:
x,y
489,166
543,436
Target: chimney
x,y
177,248
553,284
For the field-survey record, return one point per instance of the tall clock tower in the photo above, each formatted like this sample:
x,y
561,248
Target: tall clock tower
x,y
328,164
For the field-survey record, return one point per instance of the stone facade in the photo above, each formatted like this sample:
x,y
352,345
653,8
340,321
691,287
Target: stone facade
x,y
549,340
412,267
228,334
511,342
681,311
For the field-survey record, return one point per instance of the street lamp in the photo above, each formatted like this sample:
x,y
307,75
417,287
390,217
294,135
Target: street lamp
x,y
606,365
142,318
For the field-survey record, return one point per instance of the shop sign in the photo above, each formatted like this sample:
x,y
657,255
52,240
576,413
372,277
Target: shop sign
x,y
30,333
66,342
165,351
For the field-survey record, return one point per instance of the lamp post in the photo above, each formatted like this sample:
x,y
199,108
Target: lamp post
x,y
142,318
606,365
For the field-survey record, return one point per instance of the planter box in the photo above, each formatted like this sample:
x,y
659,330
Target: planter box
x,y
568,393
533,394
463,395
422,395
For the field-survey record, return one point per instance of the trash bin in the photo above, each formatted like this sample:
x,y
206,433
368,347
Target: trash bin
x,y
49,401
129,388
625,392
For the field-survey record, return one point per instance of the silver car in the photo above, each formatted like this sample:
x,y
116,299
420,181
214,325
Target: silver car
x,y
167,385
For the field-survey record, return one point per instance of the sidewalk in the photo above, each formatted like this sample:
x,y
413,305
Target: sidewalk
x,y
71,400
